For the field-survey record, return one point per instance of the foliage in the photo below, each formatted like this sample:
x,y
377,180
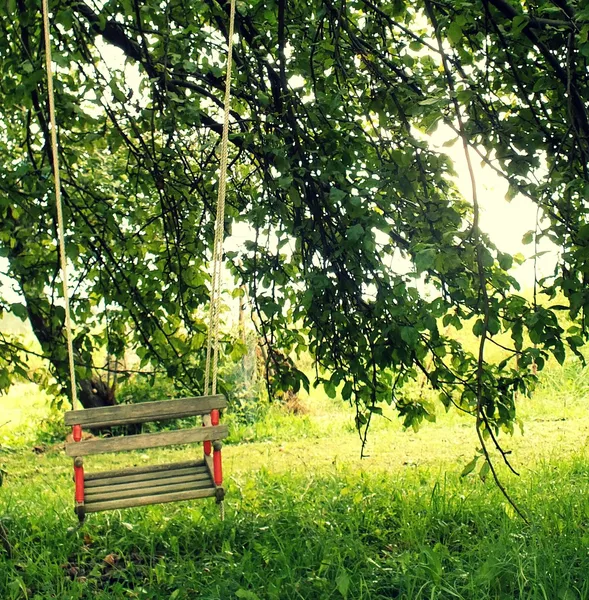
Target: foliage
x,y
51,429
248,403
352,215
139,389
273,424
246,389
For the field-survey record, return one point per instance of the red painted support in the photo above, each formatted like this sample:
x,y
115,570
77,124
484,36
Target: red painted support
x,y
78,467
207,444
217,464
79,477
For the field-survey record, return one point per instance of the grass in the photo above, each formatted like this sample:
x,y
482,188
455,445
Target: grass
x,y
306,518
337,534
22,406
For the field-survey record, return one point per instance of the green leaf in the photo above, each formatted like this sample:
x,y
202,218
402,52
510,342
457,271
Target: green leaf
x,y
484,471
330,389
336,194
263,98
239,350
116,91
528,237
519,23
494,326
505,261
469,468
584,232
559,353
425,259
343,582
410,336
575,341
295,196
541,84
355,233
435,100
512,192
19,310
246,594
347,390
454,33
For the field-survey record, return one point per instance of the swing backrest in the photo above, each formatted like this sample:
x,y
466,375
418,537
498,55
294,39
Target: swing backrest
x,y
129,414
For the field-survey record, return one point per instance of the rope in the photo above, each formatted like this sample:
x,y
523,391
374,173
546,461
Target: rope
x,y
57,182
212,359
215,306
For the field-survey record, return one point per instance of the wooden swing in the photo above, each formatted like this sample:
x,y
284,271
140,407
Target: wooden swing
x,y
154,484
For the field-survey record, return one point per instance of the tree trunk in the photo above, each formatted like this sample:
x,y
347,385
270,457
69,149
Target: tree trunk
x,y
94,393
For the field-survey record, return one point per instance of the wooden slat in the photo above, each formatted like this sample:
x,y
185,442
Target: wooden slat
x,y
90,492
152,476
143,469
146,440
127,414
210,468
145,500
117,494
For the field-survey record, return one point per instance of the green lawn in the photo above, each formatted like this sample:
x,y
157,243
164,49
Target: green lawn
x,y
306,518
21,408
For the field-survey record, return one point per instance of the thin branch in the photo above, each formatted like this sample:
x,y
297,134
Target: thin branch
x,y
476,231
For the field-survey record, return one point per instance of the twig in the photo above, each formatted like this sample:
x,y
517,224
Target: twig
x,y
476,232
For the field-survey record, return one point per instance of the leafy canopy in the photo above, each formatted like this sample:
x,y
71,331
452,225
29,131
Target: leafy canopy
x,y
330,171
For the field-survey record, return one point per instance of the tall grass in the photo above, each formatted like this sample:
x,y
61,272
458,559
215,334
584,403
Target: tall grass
x,y
337,534
307,519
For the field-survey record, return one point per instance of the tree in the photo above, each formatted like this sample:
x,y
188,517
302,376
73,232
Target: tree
x,y
329,168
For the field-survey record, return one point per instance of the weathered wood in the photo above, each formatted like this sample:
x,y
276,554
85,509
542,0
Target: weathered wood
x,y
146,500
210,468
146,440
152,490
143,469
139,485
127,414
153,476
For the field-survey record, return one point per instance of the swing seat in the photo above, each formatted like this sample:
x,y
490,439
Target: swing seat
x,y
108,490
140,486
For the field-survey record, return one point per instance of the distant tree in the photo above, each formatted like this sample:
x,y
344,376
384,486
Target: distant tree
x,y
330,170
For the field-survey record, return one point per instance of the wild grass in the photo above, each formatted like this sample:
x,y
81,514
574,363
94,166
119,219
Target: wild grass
x,y
307,519
334,534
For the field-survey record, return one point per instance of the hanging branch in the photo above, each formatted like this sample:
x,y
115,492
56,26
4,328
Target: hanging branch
x,y
481,418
